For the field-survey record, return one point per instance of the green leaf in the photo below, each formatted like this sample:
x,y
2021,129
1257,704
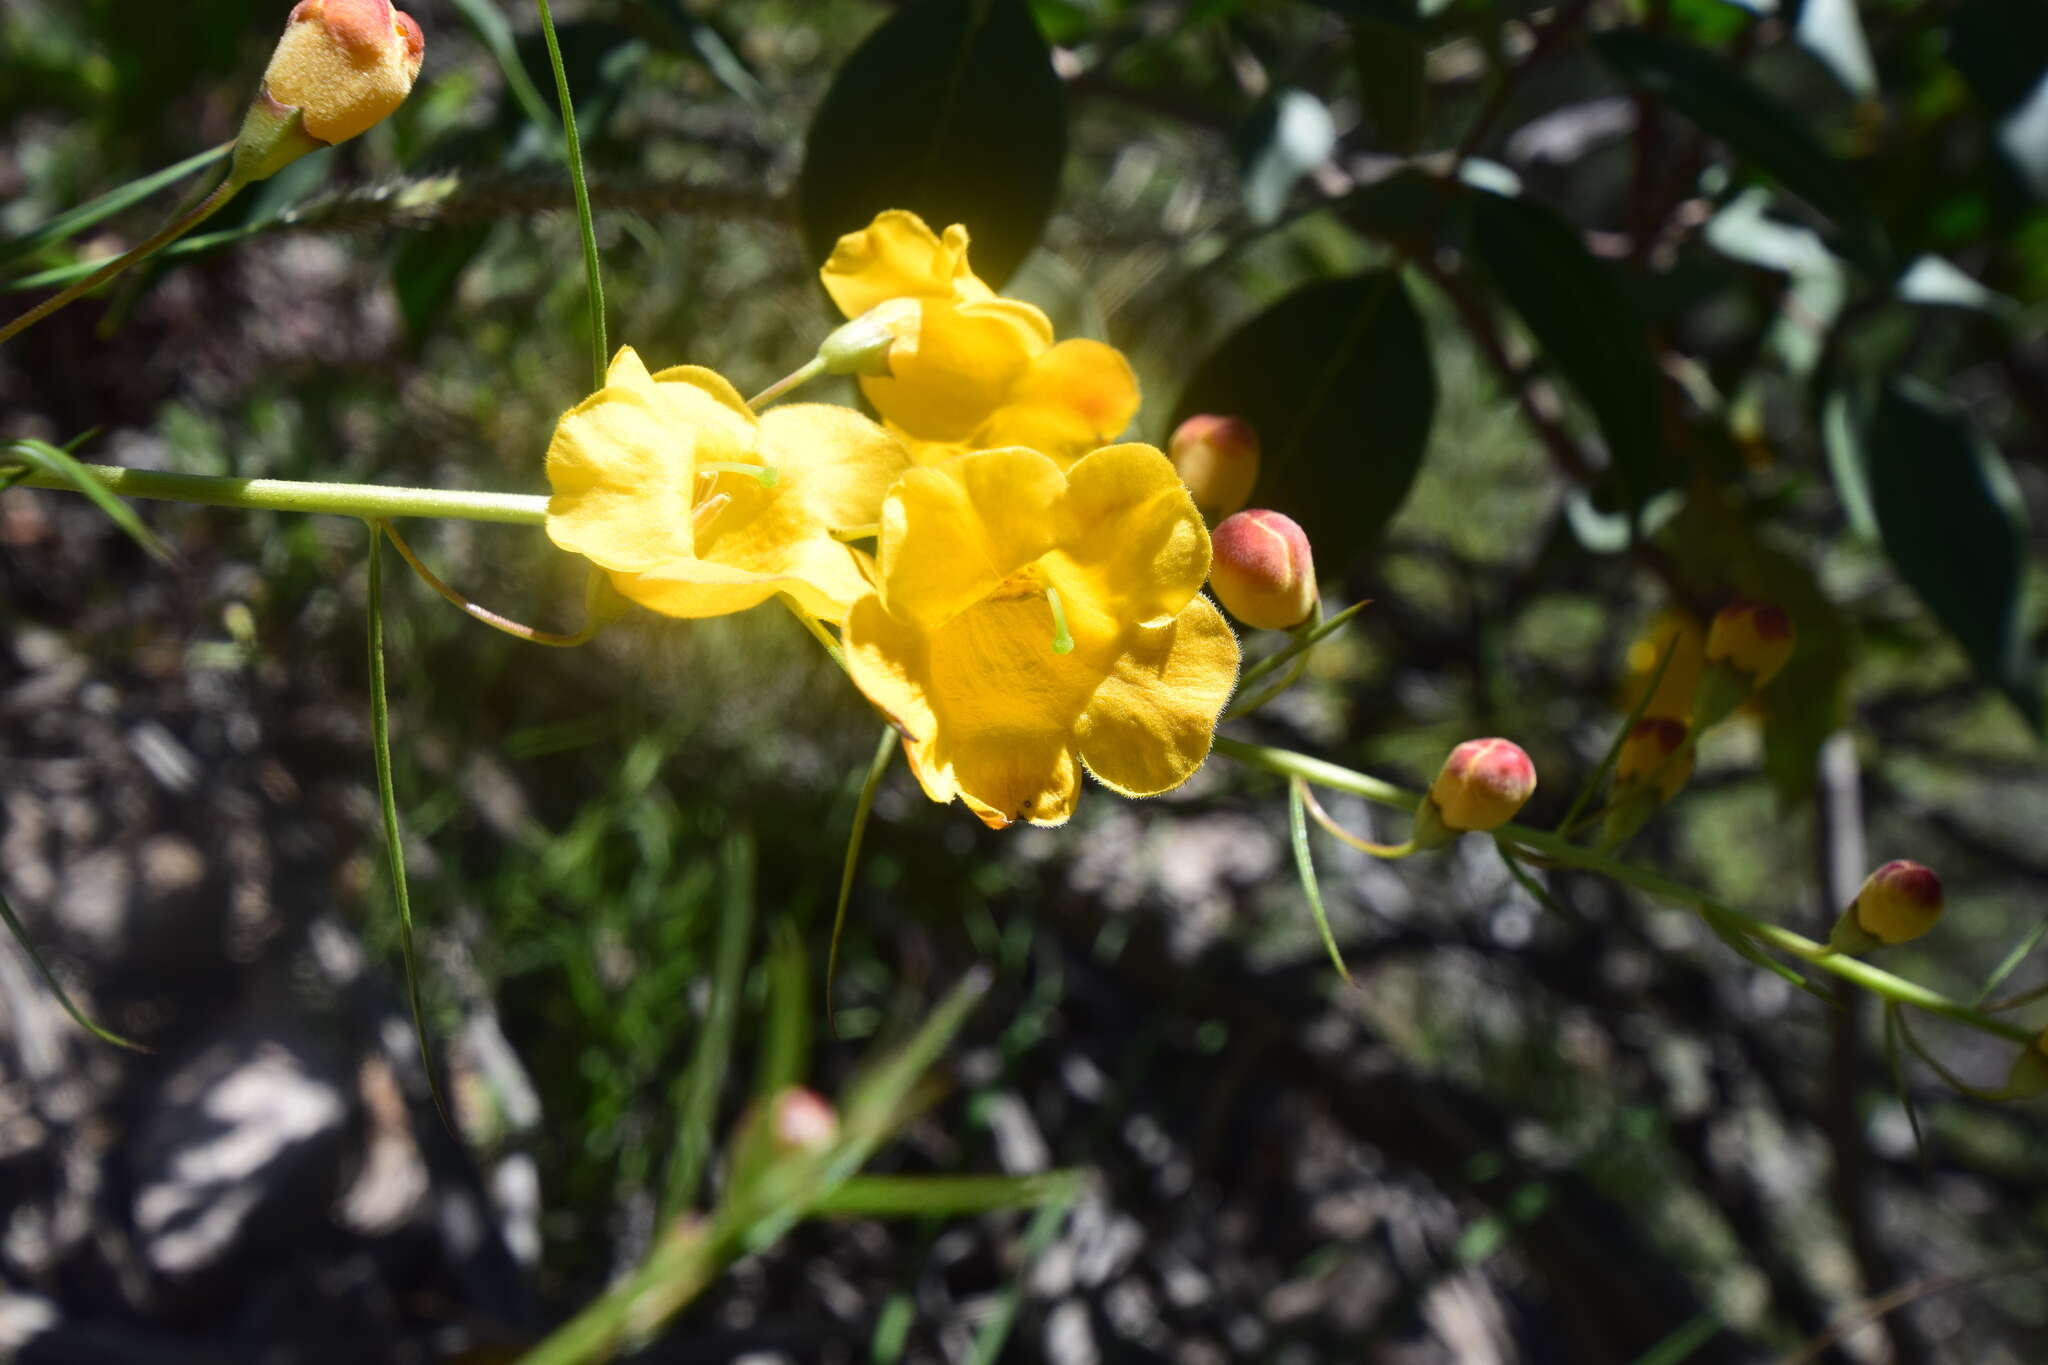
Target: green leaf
x,y
696,1090
35,957
71,222
1580,312
1756,127
41,455
950,109
1953,525
1337,380
1305,868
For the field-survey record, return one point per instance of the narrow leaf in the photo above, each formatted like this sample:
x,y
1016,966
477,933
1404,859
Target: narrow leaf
x,y
2020,952
885,752
78,1017
43,456
1580,312
1304,864
1337,379
697,1089
950,109
71,222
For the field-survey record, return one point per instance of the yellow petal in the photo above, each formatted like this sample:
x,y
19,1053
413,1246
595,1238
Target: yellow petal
x,y
628,369
692,588
1072,398
623,475
957,366
953,532
898,256
1131,544
726,426
1148,726
832,468
889,660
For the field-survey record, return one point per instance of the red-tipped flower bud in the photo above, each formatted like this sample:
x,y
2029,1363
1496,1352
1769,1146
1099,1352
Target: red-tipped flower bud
x,y
1753,638
1482,784
344,65
1655,756
1898,902
1218,459
1262,570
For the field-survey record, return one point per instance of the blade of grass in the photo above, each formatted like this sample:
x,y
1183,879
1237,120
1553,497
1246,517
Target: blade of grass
x,y
496,35
599,349
948,1196
988,1347
2012,960
1695,1332
697,1089
786,1028
387,800
20,932
885,752
71,222
45,458
1304,864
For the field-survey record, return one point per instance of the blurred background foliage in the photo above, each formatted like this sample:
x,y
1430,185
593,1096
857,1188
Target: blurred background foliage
x,y
1552,318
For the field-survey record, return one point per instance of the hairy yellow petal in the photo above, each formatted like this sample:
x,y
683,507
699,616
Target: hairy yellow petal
x,y
1148,726
1131,544
899,256
952,533
623,477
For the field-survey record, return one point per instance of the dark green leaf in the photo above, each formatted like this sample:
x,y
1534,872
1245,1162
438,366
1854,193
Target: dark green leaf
x,y
950,109
1337,380
1388,57
1756,127
1952,523
1580,313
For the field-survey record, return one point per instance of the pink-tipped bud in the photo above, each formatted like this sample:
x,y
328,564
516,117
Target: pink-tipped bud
x,y
1482,784
801,1120
344,65
1262,570
1754,638
1899,902
1655,756
1218,459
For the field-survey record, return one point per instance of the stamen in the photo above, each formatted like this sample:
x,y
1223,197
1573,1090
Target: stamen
x,y
851,533
765,473
707,509
1062,643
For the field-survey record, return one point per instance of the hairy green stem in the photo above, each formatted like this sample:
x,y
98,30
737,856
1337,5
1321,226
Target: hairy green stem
x,y
370,502
1287,763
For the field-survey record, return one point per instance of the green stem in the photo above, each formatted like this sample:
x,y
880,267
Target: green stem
x,y
170,232
1287,763
885,752
810,370
387,800
370,502
599,349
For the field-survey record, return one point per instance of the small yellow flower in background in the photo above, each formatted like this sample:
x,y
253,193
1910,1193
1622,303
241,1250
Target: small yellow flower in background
x,y
697,507
1679,632
344,64
968,369
1650,757
1755,638
1029,621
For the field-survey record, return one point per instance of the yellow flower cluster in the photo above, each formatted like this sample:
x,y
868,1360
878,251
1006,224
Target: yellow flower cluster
x,y
1033,605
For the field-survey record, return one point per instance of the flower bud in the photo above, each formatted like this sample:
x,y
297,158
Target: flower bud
x,y
801,1120
1262,570
1755,638
864,345
1480,787
1655,757
1218,459
1898,902
344,65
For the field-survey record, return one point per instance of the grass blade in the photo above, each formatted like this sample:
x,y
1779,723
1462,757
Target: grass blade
x,y
71,222
1695,1332
2012,960
599,349
45,458
697,1089
20,932
948,1196
885,751
1304,863
387,800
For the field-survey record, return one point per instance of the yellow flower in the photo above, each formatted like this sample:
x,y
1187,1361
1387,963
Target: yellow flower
x,y
988,564
970,370
654,481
